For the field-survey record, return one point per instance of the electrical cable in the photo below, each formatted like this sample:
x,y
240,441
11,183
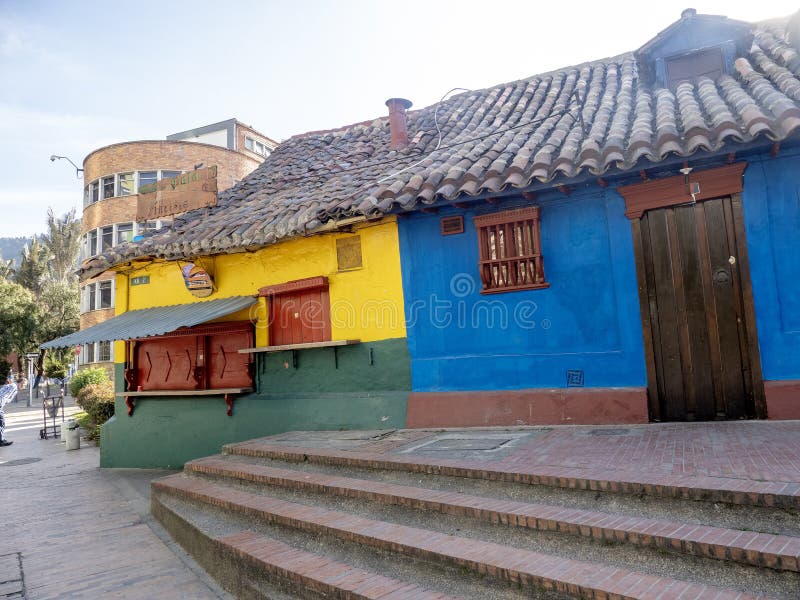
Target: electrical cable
x,y
394,160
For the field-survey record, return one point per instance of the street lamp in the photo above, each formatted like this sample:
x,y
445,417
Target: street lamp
x,y
78,170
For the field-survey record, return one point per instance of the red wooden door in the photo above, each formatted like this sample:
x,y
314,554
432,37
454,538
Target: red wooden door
x,y
300,317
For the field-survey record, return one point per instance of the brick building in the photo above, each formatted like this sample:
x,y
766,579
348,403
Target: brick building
x,y
113,176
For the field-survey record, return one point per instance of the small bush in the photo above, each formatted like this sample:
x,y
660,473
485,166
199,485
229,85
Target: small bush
x,y
97,399
55,370
86,377
84,420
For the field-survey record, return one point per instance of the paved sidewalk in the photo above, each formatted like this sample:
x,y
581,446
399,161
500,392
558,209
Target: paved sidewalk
x,y
79,531
734,461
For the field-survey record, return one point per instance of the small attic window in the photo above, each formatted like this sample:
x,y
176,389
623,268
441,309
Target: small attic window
x,y
689,67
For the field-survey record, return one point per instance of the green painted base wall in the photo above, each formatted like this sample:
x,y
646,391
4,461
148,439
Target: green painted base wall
x,y
368,390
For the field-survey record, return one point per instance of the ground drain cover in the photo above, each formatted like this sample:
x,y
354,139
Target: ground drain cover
x,y
466,444
18,461
12,581
609,432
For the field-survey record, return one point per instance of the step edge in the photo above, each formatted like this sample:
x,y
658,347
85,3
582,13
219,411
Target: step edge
x,y
643,531
713,489
475,560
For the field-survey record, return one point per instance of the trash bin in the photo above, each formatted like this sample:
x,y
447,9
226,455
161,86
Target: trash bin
x,y
73,435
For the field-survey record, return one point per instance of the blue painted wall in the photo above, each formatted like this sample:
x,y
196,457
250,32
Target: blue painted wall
x,y
587,319
771,203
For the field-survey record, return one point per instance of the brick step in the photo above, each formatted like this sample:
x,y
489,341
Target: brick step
x,y
709,489
747,547
317,573
532,570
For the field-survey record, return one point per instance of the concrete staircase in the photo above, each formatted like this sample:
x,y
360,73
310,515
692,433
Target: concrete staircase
x,y
271,521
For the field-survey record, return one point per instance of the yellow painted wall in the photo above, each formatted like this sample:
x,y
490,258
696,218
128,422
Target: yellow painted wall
x,y
366,303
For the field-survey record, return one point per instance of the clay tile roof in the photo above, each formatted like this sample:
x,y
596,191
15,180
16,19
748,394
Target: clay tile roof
x,y
594,118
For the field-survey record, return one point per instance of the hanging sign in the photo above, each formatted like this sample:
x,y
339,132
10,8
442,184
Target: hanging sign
x,y
197,280
195,189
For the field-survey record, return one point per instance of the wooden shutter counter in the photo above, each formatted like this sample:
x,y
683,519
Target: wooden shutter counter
x,y
191,362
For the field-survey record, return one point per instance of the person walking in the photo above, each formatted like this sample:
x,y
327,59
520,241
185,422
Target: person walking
x,y
7,393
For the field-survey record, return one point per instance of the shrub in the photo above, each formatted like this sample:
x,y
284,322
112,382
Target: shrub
x,y
97,399
86,377
55,370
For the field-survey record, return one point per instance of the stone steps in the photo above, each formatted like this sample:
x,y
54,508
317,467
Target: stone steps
x,y
282,522
749,547
317,573
531,570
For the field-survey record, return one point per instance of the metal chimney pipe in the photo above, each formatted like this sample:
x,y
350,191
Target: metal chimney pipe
x,y
398,122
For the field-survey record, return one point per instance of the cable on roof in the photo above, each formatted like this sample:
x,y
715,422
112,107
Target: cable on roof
x,y
438,132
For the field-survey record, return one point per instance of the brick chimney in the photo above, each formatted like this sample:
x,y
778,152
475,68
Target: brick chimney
x,y
398,123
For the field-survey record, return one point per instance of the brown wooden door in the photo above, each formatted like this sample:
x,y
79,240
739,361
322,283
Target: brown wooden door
x,y
694,288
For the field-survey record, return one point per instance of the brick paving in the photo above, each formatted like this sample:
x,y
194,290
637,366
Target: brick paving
x,y
743,462
323,575
80,531
774,551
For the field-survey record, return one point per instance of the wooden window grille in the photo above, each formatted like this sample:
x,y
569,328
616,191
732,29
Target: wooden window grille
x,y
510,251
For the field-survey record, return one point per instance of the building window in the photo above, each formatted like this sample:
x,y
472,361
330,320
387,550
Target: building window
x,y
169,174
106,238
256,146
147,177
91,245
98,295
104,291
127,182
107,183
510,251
124,232
103,351
96,352
91,296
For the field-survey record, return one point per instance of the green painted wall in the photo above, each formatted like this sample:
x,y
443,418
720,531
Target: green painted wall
x,y
166,432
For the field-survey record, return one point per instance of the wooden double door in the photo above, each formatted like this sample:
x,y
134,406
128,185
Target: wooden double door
x,y
697,312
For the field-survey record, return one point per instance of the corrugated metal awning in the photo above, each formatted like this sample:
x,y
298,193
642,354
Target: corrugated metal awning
x,y
153,321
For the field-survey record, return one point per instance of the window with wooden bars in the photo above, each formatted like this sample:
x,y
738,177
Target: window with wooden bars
x,y
510,251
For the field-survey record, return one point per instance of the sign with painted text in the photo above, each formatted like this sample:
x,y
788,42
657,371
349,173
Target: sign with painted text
x,y
167,197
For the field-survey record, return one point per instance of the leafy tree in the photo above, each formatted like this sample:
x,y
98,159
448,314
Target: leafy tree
x,y
62,240
19,319
59,304
7,268
33,268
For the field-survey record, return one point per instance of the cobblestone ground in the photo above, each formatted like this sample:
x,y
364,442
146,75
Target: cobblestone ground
x,y
72,530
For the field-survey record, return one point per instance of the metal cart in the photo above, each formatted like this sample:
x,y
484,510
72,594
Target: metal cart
x,y
52,406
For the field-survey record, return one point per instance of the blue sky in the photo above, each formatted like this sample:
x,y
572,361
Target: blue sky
x,y
76,75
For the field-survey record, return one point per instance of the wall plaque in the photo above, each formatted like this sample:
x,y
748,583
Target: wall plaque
x,y
195,189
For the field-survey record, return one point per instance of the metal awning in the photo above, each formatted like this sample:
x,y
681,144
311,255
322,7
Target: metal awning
x,y
153,321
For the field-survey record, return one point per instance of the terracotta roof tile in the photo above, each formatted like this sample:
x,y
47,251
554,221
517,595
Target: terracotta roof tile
x,y
592,118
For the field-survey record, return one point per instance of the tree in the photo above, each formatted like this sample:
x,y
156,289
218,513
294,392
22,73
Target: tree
x,y
63,241
7,268
33,268
19,319
59,305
